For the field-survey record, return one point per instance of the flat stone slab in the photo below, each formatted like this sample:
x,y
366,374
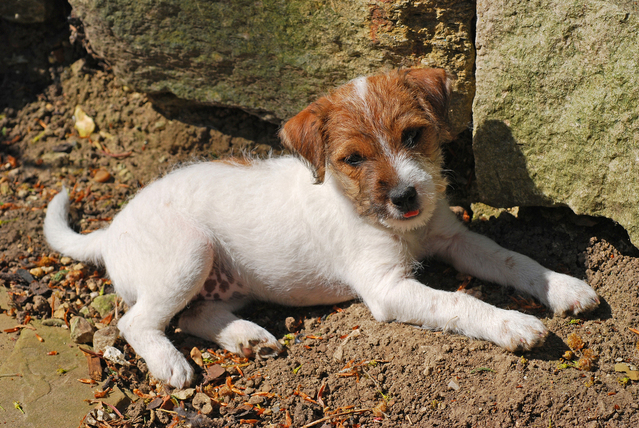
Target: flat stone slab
x,y
47,389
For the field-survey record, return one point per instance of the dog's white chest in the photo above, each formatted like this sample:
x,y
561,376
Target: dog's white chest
x,y
221,284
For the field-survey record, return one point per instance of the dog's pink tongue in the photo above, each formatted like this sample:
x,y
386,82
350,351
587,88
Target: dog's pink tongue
x,y
410,214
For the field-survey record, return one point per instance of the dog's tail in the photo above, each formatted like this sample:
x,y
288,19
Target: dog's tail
x,y
66,241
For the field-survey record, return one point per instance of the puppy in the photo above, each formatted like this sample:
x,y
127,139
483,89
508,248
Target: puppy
x,y
348,220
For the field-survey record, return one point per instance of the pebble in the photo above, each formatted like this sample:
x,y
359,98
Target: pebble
x,y
183,394
40,304
202,402
102,176
256,399
115,356
453,385
104,338
92,285
291,324
81,330
37,272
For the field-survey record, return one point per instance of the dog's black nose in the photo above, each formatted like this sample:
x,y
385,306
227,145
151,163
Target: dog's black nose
x,y
404,198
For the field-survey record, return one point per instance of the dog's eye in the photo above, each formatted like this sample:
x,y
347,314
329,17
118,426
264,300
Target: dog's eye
x,y
354,160
410,137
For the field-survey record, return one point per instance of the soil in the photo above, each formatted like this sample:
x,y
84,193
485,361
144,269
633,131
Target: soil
x,y
341,367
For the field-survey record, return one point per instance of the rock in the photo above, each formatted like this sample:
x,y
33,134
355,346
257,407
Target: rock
x,y
556,107
60,310
104,304
53,322
291,324
453,385
102,176
202,402
37,272
115,356
256,399
27,11
183,394
56,160
105,337
40,304
272,59
83,122
81,330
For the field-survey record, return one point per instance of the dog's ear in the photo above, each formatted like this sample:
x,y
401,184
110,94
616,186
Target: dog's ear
x,y
304,134
434,87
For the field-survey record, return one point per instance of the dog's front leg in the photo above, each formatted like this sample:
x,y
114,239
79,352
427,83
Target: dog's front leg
x,y
397,298
479,256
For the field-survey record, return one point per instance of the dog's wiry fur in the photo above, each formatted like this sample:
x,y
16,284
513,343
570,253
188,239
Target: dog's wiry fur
x,y
353,226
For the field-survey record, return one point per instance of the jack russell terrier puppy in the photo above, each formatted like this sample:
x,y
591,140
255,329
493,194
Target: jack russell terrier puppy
x,y
349,220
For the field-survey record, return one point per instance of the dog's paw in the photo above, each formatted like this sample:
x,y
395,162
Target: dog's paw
x,y
515,331
170,367
246,338
568,295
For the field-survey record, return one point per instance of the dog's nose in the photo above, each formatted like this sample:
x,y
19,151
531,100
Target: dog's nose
x,y
404,198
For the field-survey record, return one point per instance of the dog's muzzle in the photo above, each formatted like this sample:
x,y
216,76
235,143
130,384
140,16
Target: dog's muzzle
x,y
406,200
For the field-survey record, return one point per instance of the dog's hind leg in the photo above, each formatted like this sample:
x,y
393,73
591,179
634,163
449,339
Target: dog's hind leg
x,y
213,320
160,274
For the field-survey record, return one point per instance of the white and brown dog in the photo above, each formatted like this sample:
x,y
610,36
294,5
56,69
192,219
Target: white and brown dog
x,y
348,221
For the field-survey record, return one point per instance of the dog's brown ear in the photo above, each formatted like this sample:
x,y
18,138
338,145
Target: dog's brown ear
x,y
304,134
434,86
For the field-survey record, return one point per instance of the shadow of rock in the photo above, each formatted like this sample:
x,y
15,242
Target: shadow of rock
x,y
503,179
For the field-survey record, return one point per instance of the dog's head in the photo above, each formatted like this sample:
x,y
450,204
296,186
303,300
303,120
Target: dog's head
x,y
380,137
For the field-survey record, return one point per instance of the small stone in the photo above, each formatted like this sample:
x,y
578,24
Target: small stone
x,y
37,272
40,304
81,330
202,402
453,385
60,310
183,394
290,324
83,123
115,356
92,285
102,176
65,260
105,337
104,304
256,399
53,322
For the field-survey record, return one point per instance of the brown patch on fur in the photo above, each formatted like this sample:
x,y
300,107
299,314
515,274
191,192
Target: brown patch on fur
x,y
368,121
210,285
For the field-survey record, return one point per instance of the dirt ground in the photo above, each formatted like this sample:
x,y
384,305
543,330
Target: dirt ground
x,y
341,368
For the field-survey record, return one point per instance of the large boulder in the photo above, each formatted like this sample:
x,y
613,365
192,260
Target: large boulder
x,y
272,57
556,112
